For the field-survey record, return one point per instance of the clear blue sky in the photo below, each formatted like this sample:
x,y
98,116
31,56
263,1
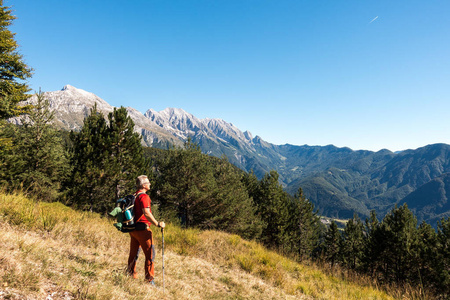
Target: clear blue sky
x,y
356,73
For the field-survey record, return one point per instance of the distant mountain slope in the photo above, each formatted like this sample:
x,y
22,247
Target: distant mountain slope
x,y
437,205
339,181
215,137
72,105
375,181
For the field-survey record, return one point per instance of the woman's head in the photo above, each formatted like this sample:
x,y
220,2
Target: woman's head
x,y
141,181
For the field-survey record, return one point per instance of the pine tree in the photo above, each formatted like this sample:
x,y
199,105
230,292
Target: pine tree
x,y
106,158
89,178
13,71
428,256
272,206
7,134
205,192
352,248
125,161
373,245
234,211
186,184
332,242
251,184
37,160
400,245
303,230
443,257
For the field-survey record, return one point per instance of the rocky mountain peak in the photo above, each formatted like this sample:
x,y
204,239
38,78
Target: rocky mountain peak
x,y
184,125
339,181
176,120
68,87
248,135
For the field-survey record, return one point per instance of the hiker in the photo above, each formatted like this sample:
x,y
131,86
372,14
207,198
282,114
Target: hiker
x,y
143,236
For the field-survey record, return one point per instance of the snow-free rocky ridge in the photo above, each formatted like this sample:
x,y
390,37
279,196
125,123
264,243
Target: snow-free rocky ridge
x,y
339,181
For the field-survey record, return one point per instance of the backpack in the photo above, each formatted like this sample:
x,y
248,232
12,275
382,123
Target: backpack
x,y
124,213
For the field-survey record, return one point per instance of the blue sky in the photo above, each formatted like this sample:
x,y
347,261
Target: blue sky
x,y
355,73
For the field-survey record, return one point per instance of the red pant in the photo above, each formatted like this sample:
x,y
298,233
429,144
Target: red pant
x,y
144,239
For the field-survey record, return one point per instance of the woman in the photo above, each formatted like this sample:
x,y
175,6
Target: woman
x,y
143,236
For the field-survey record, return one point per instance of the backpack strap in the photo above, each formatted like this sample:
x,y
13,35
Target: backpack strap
x,y
140,217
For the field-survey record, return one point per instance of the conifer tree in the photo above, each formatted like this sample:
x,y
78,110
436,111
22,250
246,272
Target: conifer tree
x,y
13,70
107,158
332,242
399,244
373,244
251,184
272,206
186,184
352,247
89,178
428,256
125,153
234,211
13,87
205,192
443,258
37,160
303,230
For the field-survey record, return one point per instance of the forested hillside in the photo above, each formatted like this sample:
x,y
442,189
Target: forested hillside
x,y
437,205
76,178
379,181
339,181
98,165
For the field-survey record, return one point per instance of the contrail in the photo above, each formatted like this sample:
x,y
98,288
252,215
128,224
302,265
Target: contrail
x,y
373,19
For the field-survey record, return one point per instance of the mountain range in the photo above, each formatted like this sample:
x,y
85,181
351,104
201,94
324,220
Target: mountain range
x,y
339,181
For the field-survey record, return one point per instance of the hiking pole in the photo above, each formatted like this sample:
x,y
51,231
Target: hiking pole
x,y
162,232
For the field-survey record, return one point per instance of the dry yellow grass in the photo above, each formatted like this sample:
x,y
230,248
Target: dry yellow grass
x,y
49,251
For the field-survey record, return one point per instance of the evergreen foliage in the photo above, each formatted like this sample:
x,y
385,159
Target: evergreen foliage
x,y
89,179
400,246
394,251
106,158
125,159
290,224
443,256
36,160
236,212
272,204
428,262
205,192
13,70
333,242
303,227
373,242
352,247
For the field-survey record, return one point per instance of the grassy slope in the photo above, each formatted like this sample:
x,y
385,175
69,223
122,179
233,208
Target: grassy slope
x,y
51,251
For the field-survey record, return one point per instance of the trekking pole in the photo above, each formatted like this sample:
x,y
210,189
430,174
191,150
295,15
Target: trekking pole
x,y
162,232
